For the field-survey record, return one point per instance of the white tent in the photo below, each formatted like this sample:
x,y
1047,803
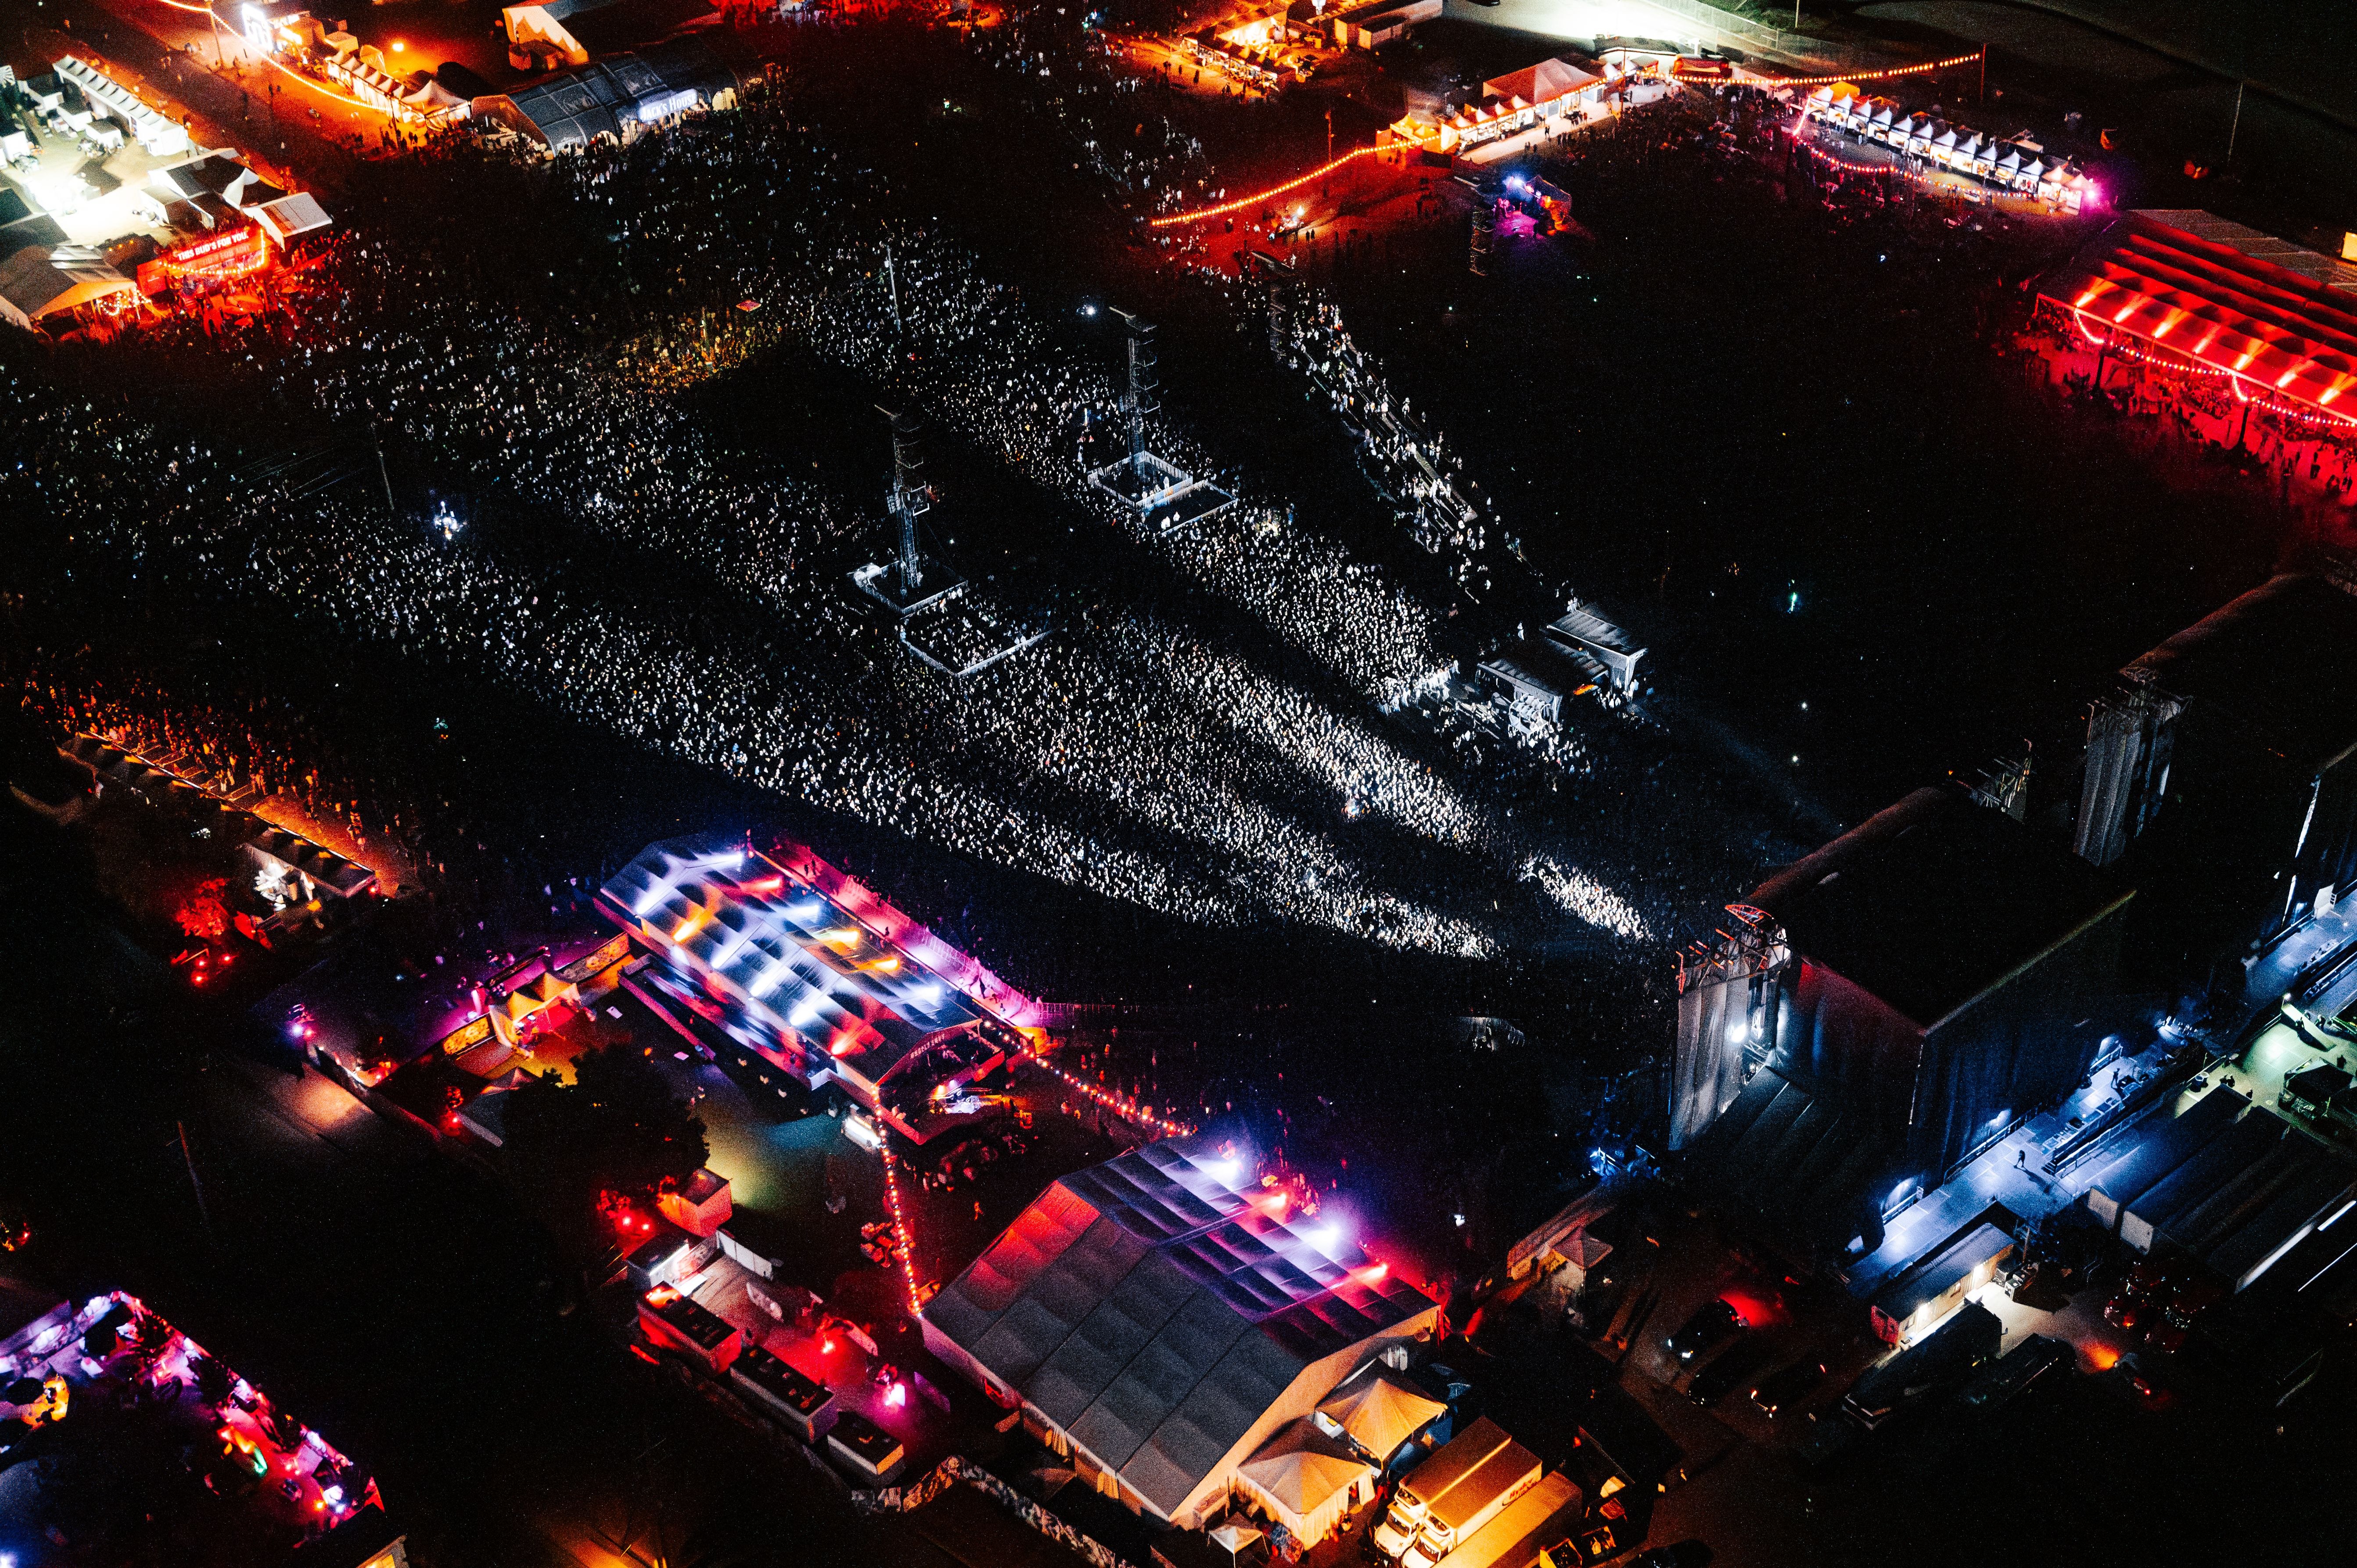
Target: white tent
x,y
1305,1480
1377,1413
1234,1535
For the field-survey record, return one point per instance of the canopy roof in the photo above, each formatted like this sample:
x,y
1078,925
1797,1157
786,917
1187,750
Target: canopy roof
x,y
799,951
1548,79
579,105
1378,1414
1301,1468
1155,1309
220,171
2260,310
291,215
2280,660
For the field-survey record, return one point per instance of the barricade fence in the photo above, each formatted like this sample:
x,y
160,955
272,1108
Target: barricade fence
x,y
954,1469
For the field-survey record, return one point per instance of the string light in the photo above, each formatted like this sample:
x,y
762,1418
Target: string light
x,y
907,1249
1894,72
271,60
322,89
1120,1104
1240,202
2167,359
1839,162
1928,176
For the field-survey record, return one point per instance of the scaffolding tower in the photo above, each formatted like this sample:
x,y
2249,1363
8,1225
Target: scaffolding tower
x,y
1730,1013
1163,496
911,496
941,621
914,577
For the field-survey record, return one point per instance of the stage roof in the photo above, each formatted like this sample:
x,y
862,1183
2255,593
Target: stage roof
x,y
1811,1167
1155,1309
2271,315
1930,902
2281,661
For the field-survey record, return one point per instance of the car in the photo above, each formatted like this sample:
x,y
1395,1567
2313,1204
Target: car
x,y
1780,1391
1714,1320
2015,1373
1733,1369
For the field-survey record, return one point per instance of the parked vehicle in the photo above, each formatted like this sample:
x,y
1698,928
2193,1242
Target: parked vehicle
x,y
1432,1480
2012,1376
1734,1368
1457,1514
1780,1391
1947,1356
1714,1320
1549,1506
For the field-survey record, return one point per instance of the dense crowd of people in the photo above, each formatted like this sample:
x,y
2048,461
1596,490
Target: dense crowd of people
x,y
626,568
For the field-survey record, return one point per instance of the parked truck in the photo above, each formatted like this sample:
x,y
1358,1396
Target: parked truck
x,y
1466,1507
1433,1480
1512,1539
1942,1359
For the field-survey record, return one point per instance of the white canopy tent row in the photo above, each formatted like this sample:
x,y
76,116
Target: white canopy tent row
x,y
2016,164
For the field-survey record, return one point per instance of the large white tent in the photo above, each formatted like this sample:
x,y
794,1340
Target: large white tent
x,y
1305,1480
1155,1320
1377,1413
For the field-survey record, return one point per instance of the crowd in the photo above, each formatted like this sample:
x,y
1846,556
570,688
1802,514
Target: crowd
x,y
628,570
1078,85
2307,458
1413,467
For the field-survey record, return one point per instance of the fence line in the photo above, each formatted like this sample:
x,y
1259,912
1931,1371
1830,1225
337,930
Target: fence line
x,y
916,1494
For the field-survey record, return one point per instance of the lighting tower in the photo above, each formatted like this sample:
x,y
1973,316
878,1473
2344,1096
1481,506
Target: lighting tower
x,y
908,577
1145,387
911,496
1162,496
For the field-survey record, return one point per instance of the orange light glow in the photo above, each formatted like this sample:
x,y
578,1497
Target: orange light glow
x,y
398,45
688,926
1953,60
1242,202
2103,1357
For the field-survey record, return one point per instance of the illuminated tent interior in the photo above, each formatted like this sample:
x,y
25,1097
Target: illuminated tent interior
x,y
2216,299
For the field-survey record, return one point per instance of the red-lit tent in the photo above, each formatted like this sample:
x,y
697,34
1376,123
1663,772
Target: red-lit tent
x,y
2238,302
